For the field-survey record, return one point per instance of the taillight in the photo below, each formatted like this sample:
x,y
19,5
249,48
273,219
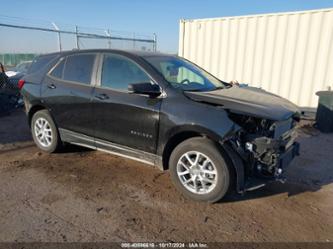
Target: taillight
x,y
20,84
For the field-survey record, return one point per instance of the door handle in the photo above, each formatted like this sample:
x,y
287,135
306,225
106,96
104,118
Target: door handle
x,y
52,86
102,96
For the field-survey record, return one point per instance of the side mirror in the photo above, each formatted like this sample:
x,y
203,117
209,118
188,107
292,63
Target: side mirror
x,y
152,90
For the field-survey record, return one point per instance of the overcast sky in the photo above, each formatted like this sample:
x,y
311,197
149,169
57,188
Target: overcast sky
x,y
142,17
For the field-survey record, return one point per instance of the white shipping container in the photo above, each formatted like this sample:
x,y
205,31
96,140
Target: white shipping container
x,y
289,54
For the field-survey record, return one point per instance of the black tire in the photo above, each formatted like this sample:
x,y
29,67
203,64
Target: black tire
x,y
209,149
55,143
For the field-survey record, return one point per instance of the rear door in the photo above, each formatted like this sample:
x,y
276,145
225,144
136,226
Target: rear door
x,y
123,118
67,92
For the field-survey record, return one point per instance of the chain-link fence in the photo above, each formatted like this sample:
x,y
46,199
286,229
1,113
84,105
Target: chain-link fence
x,y
12,59
22,39
92,38
20,35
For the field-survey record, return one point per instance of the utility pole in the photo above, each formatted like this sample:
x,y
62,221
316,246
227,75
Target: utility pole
x,y
155,42
133,40
59,37
77,37
108,33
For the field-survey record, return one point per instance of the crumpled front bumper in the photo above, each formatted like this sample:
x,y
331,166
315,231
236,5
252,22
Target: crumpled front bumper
x,y
286,158
260,158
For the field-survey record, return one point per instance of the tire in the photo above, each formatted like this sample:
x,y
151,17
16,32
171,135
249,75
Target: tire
x,y
48,139
210,187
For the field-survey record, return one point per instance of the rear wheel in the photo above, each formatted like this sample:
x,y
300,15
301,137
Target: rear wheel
x,y
45,132
199,170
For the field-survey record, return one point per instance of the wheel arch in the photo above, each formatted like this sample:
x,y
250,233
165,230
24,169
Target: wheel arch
x,y
232,156
33,110
181,134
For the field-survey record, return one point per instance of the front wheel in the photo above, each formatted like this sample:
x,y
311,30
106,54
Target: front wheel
x,y
45,132
199,170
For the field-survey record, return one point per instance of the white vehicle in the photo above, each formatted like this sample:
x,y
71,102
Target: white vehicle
x,y
20,68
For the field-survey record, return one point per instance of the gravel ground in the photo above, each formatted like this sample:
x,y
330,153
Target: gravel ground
x,y
83,195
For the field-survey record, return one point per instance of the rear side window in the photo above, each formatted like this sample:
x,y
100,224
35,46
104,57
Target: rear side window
x,y
78,68
118,72
58,70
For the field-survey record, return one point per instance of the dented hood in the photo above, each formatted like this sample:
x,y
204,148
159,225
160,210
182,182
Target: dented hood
x,y
248,100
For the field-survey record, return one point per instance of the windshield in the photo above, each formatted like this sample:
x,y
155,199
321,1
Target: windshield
x,y
183,74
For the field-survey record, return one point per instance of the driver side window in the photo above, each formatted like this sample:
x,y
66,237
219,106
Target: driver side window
x,y
118,72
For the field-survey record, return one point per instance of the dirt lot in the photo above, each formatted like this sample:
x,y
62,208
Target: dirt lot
x,y
84,195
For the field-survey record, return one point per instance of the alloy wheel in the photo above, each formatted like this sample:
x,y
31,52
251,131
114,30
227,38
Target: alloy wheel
x,y
43,132
197,172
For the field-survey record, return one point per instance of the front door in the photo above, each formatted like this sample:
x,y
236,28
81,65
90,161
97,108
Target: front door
x,y
123,118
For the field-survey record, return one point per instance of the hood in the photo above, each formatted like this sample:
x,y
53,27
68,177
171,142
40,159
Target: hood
x,y
249,101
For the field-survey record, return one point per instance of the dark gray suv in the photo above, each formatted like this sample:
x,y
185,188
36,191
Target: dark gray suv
x,y
165,111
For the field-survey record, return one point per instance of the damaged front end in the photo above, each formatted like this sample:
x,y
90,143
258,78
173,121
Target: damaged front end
x,y
265,148
265,143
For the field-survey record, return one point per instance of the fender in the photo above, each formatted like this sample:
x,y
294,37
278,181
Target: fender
x,y
239,168
195,130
